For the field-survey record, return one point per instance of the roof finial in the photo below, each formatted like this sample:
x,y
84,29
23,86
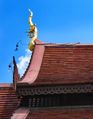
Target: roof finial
x,y
32,31
31,13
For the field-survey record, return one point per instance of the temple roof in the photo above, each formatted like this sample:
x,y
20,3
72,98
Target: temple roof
x,y
54,113
59,64
59,113
8,101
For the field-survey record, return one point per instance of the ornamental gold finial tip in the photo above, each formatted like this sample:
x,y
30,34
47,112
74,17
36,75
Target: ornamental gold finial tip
x,y
32,31
31,13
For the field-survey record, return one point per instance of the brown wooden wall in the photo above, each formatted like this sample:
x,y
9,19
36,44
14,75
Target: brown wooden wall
x,y
77,113
8,101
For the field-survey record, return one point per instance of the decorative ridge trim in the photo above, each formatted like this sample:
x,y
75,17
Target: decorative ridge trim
x,y
64,44
34,66
69,45
37,42
15,73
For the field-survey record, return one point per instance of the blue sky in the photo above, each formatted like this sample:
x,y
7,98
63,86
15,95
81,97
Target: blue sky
x,y
58,21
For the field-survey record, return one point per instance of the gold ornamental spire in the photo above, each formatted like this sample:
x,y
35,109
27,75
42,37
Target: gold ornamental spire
x,y
32,31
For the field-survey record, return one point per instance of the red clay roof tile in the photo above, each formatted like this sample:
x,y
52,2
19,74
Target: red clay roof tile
x,y
60,63
8,101
61,113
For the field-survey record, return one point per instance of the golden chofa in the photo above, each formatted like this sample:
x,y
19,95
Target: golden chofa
x,y
32,31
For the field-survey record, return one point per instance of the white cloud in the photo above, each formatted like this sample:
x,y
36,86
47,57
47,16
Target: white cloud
x,y
23,62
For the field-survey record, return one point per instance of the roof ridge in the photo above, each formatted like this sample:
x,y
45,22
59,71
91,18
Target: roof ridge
x,y
34,65
37,42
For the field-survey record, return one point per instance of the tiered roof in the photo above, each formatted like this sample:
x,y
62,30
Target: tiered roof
x,y
8,101
59,64
59,113
53,66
